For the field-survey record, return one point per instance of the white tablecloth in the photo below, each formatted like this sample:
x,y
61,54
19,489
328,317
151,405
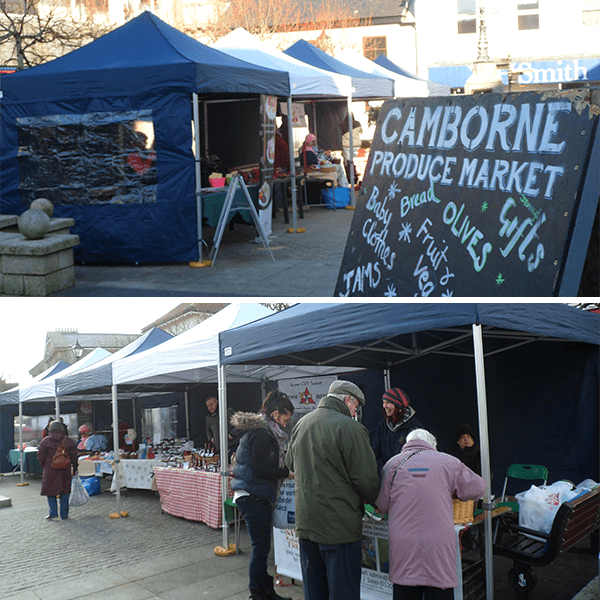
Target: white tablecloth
x,y
136,473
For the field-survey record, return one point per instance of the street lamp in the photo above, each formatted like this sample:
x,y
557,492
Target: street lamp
x,y
77,349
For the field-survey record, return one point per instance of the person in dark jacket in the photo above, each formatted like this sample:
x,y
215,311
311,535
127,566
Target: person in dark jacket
x,y
212,427
257,475
399,420
57,482
466,449
46,429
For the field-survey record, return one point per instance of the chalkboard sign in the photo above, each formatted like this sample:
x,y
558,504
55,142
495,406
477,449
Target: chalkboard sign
x,y
473,196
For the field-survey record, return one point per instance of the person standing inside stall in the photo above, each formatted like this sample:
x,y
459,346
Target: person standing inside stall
x,y
466,449
309,152
212,427
46,429
335,473
398,421
257,475
416,493
56,483
85,430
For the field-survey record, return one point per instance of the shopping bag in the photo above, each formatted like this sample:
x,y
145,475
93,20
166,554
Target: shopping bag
x,y
335,197
284,515
78,494
91,485
538,506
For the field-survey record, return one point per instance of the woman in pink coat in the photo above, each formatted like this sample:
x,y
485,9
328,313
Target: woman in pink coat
x,y
57,482
416,492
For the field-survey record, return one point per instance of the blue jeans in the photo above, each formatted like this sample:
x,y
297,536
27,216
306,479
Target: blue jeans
x,y
258,514
331,571
64,506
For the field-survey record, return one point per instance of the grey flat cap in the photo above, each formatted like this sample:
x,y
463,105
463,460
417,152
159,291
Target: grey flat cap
x,y
347,388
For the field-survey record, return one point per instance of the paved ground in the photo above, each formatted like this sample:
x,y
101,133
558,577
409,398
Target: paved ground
x,y
147,556
152,556
306,264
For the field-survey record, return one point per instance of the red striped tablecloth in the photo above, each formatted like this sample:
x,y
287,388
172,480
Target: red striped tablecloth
x,y
193,495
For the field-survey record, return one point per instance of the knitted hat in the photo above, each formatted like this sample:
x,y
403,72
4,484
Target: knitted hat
x,y
55,426
85,429
462,429
347,388
397,396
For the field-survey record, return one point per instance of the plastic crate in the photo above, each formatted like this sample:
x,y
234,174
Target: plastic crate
x,y
336,197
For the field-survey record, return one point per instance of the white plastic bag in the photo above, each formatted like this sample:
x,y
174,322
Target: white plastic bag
x,y
284,515
538,506
79,495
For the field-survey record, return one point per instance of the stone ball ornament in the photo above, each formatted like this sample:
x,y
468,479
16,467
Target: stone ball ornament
x,y
34,224
43,204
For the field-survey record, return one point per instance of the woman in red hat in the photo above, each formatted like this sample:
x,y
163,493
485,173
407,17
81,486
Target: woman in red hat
x,y
399,420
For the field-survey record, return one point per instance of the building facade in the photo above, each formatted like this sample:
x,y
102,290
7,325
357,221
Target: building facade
x,y
540,41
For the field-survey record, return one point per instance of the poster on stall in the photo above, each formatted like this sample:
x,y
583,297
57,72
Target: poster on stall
x,y
298,114
268,109
480,195
375,583
306,392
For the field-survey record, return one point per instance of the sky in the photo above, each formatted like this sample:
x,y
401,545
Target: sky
x,y
24,323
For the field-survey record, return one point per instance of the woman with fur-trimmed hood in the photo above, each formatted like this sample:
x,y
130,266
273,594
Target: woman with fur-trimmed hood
x,y
257,475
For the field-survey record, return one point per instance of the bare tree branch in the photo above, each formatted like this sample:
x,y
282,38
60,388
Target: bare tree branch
x,y
33,32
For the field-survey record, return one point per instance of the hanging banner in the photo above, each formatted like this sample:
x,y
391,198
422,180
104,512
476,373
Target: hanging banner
x,y
268,110
306,392
475,196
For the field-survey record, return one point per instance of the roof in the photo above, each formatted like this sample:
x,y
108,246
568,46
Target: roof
x,y
382,11
109,341
144,56
364,84
186,308
381,335
305,80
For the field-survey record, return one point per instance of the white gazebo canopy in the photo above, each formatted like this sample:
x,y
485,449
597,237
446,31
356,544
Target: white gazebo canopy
x,y
305,80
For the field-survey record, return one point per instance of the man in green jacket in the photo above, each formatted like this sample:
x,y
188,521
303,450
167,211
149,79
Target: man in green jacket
x,y
335,473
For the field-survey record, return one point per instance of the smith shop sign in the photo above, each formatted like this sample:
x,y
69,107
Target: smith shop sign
x,y
475,196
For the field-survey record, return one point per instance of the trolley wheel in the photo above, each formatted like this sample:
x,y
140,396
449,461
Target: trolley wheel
x,y
522,579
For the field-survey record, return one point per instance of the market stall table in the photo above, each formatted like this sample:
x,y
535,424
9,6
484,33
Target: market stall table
x,y
31,464
193,495
213,200
137,473
318,179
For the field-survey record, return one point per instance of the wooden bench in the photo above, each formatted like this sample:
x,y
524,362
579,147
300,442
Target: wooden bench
x,y
527,548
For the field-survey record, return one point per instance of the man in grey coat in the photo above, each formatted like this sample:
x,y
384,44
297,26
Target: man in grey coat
x,y
335,473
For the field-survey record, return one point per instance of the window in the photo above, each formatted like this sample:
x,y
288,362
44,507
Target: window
x,y
90,158
466,10
94,7
159,423
374,47
528,15
591,13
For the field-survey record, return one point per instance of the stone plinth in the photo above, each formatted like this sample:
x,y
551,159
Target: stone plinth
x,y
7,222
4,502
59,226
36,267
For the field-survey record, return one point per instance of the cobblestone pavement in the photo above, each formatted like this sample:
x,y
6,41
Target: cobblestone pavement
x,y
147,555
151,555
306,265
